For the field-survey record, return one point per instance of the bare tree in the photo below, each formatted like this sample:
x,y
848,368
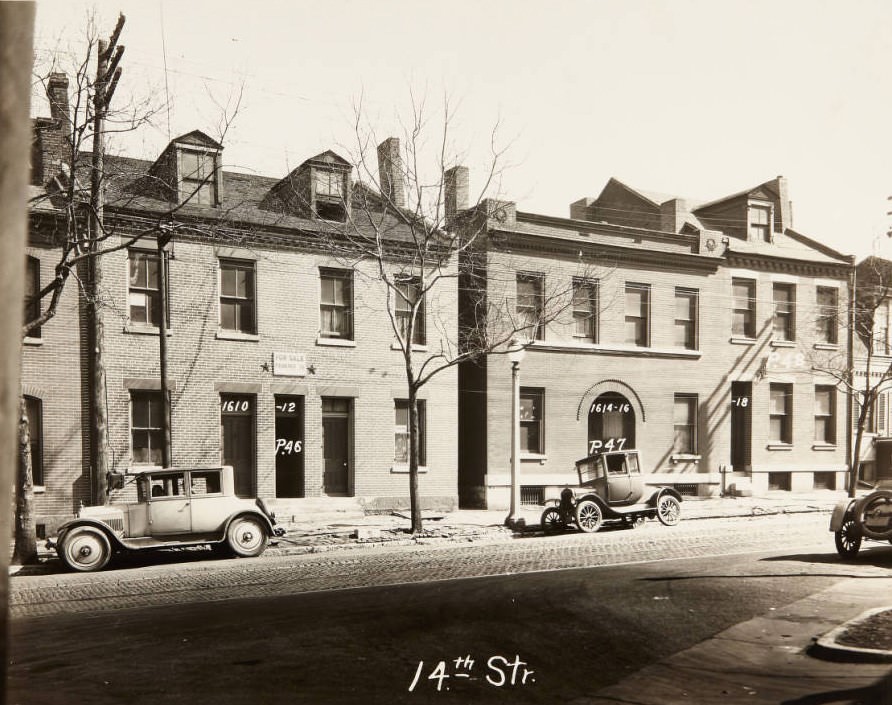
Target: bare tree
x,y
861,369
410,234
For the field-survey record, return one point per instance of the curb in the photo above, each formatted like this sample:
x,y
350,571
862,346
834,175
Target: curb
x,y
827,647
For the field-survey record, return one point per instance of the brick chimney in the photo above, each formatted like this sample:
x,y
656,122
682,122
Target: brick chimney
x,y
390,171
457,188
672,215
786,206
51,146
57,92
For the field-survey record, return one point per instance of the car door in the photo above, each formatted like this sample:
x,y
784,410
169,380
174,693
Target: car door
x,y
619,484
170,511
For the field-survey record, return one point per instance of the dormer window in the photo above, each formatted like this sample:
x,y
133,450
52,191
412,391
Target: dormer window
x,y
759,220
197,177
329,187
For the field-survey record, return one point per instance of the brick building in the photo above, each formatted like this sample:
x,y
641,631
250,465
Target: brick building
x,y
689,336
282,358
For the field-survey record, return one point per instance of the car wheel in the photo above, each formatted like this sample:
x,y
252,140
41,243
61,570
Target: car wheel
x,y
873,514
246,536
85,549
552,521
668,510
848,538
588,516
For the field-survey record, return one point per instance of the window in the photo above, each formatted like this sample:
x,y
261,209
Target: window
x,y
743,315
784,312
881,329
146,437
237,296
686,318
781,413
336,303
585,310
408,293
532,421
827,322
34,412
825,414
638,314
329,189
144,294
329,183
198,177
530,303
168,485
401,432
205,482
760,223
32,294
684,417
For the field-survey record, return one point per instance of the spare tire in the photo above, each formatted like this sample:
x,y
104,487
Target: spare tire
x,y
873,515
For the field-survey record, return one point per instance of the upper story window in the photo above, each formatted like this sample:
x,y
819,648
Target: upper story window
x,y
237,305
784,312
759,220
827,319
329,188
686,318
32,294
197,177
336,303
743,314
143,294
881,342
530,303
585,310
407,295
638,314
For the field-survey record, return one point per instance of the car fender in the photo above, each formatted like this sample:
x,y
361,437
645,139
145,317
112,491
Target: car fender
x,y
270,531
840,511
861,506
660,491
63,529
605,508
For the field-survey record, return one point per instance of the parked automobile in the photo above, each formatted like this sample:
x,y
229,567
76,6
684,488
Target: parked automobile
x,y
175,507
854,520
611,490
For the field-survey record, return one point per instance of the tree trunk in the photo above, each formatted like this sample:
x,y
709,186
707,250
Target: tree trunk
x,y
25,535
414,452
856,451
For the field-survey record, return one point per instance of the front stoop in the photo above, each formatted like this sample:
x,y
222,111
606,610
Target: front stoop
x,y
316,510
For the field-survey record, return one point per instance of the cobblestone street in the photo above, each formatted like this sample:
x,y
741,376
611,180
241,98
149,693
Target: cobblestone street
x,y
199,579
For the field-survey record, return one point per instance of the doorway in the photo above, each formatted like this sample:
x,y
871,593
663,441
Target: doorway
x,y
611,423
741,425
289,446
336,444
237,420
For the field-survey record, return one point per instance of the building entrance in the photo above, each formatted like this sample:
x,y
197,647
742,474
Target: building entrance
x,y
289,446
611,423
741,425
336,446
239,442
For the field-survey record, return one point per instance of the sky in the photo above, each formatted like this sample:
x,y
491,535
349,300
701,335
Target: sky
x,y
694,98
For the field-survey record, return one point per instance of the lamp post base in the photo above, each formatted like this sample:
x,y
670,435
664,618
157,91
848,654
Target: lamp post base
x,y
514,521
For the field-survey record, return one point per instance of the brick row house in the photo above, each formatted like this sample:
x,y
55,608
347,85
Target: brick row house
x,y
282,358
690,338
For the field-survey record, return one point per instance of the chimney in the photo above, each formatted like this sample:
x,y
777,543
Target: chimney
x,y
457,188
672,215
57,92
51,147
390,171
786,206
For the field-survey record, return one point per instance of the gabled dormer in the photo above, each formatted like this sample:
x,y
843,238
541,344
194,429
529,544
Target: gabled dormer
x,y
755,215
189,170
320,188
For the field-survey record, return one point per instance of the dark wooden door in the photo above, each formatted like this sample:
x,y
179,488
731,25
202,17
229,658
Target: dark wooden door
x,y
335,442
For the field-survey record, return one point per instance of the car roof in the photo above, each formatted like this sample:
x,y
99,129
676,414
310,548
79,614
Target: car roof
x,y
175,470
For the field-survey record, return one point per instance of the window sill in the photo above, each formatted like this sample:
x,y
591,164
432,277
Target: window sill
x,y
540,458
143,330
826,346
684,458
631,350
336,342
415,347
237,335
39,489
823,446
779,446
33,341
399,468
782,343
736,340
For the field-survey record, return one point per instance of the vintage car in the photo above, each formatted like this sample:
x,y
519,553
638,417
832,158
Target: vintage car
x,y
174,508
869,517
611,490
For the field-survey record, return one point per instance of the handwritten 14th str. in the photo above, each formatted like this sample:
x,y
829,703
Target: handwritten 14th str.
x,y
500,671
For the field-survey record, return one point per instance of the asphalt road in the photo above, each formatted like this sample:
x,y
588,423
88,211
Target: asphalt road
x,y
549,636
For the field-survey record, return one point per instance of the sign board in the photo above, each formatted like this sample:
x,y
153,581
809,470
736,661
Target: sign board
x,y
289,364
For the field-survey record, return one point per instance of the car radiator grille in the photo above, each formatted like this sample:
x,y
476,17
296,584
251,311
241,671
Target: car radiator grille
x,y
116,524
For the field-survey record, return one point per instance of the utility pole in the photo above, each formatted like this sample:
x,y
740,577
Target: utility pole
x,y
107,75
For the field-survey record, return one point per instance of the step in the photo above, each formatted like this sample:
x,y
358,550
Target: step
x,y
317,510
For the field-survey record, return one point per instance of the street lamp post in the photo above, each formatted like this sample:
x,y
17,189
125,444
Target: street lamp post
x,y
516,352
